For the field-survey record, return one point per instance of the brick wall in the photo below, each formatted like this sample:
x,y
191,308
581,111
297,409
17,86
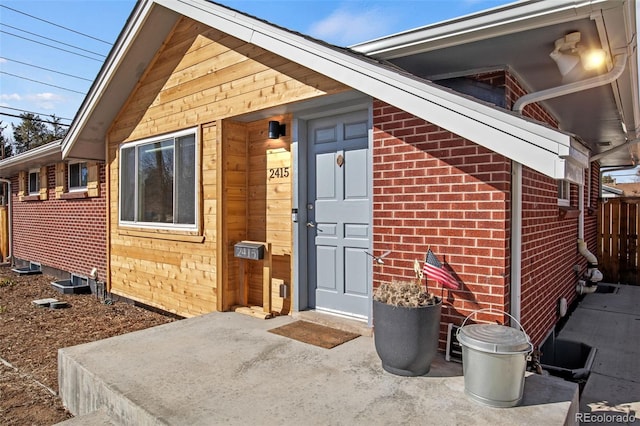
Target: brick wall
x,y
434,188
69,235
550,249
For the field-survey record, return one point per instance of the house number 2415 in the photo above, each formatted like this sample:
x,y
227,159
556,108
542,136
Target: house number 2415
x,y
279,172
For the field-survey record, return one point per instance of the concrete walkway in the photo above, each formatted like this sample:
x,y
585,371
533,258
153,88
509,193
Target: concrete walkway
x,y
611,323
225,368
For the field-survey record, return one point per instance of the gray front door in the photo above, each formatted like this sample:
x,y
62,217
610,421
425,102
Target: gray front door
x,y
339,214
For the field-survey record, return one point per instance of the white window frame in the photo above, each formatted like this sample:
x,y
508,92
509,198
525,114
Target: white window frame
x,y
37,173
76,188
564,193
158,225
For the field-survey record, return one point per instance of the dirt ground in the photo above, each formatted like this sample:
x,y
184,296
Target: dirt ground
x,y
30,337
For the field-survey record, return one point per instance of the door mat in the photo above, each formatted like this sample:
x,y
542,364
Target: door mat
x,y
314,334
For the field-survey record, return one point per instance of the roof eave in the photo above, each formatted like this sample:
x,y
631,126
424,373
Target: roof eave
x,y
494,22
495,129
36,157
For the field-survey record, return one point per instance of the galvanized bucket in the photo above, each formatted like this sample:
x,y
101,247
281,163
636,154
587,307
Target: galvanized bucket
x,y
494,360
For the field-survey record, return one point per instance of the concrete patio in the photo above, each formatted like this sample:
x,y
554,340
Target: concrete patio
x,y
225,368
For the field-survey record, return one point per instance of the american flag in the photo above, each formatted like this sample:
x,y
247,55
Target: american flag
x,y
433,268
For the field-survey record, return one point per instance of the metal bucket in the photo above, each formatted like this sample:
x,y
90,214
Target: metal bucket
x,y
494,360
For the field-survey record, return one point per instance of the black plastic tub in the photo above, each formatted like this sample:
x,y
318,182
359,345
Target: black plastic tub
x,y
33,269
567,359
75,285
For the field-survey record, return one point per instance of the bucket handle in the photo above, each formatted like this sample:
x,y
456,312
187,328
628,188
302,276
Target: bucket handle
x,y
501,312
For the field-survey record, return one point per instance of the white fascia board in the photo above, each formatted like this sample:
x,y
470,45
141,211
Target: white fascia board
x,y
103,79
33,155
523,15
533,145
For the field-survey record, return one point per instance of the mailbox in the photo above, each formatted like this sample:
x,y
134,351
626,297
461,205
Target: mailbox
x,y
248,250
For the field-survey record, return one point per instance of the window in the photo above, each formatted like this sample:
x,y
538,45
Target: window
x,y
564,193
157,182
34,182
78,174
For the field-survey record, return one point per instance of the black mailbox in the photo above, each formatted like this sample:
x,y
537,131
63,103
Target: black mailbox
x,y
249,250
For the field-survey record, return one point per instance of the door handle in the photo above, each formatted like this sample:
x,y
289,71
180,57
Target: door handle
x,y
311,224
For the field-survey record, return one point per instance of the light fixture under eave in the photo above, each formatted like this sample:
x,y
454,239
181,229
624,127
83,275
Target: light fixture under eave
x,y
276,129
568,54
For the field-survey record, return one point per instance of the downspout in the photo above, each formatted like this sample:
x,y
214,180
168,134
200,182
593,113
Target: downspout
x,y
589,83
593,275
9,219
516,241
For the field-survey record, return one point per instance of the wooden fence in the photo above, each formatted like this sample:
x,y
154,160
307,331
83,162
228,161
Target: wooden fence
x,y
618,250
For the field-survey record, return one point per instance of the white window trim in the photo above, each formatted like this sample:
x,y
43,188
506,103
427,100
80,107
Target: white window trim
x,y
565,202
77,188
155,225
36,192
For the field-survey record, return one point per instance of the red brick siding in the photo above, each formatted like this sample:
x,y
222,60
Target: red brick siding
x,y
550,250
69,235
515,91
433,188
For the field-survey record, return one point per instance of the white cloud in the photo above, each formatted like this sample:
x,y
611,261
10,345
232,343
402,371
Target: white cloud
x,y
3,61
10,97
45,100
345,27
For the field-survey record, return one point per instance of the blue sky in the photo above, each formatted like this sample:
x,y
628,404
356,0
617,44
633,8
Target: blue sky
x,y
340,22
344,23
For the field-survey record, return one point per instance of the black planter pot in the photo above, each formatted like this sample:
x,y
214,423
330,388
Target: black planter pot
x,y
406,339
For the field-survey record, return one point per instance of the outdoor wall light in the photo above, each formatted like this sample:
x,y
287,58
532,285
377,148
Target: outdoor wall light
x,y
568,54
276,129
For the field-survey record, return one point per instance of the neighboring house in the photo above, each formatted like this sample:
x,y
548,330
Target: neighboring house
x,y
57,211
629,189
610,192
367,157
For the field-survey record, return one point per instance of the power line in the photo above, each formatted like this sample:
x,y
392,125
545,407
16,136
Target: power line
x,y
54,40
48,45
36,113
42,82
57,25
35,119
46,69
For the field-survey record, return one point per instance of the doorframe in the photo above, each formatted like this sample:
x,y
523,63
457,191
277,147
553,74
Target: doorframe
x,y
299,154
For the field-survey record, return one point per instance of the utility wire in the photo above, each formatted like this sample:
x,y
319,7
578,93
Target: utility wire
x,y
57,25
46,69
54,40
36,113
48,45
42,82
35,119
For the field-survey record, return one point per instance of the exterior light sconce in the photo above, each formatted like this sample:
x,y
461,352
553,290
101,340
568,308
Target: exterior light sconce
x,y
276,129
568,54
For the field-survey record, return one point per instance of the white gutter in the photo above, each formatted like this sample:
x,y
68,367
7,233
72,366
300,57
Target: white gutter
x,y
504,133
502,20
589,83
10,219
32,154
516,241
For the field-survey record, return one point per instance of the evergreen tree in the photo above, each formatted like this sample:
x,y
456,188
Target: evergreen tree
x,y
58,130
31,133
5,144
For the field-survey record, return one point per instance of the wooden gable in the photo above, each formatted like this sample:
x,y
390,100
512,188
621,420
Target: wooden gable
x,y
199,78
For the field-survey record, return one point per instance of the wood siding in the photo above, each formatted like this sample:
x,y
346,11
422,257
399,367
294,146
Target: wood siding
x,y
200,78
618,248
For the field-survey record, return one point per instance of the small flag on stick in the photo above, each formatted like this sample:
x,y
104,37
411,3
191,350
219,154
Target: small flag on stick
x,y
434,269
